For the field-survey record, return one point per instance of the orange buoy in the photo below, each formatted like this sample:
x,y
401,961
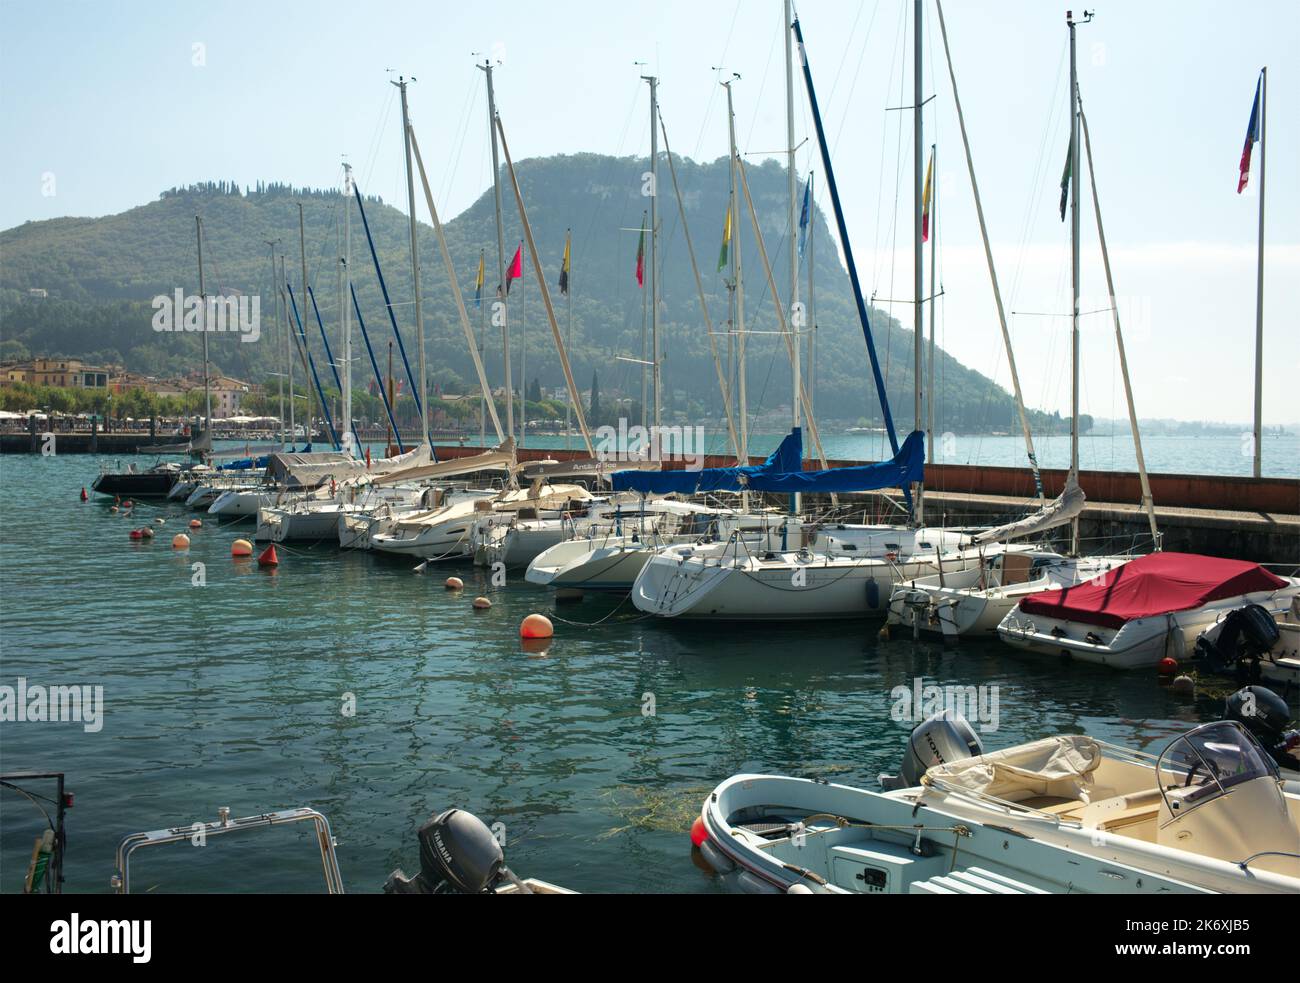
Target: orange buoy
x,y
454,583
482,603
268,557
241,547
84,496
137,534
180,541
196,524
536,626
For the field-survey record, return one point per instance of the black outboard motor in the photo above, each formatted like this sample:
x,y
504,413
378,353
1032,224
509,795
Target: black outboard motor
x,y
1246,636
1267,716
458,855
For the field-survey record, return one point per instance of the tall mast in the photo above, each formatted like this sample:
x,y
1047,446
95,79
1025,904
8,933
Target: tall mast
x,y
934,241
275,303
796,320
653,293
739,290
918,269
988,258
401,84
346,307
288,349
482,347
1074,265
302,255
568,331
487,67
1259,283
203,314
810,306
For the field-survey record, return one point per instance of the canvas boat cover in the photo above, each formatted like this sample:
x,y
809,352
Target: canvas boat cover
x,y
1055,513
313,470
1150,586
787,457
1060,766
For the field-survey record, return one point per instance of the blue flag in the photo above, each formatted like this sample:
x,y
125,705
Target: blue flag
x,y
803,215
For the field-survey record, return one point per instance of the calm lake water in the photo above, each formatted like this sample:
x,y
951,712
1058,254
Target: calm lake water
x,y
1219,454
230,694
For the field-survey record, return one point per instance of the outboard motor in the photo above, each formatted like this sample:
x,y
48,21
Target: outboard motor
x,y
1246,636
1267,716
458,855
938,739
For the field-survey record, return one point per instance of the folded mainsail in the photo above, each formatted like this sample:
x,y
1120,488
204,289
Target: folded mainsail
x,y
1057,513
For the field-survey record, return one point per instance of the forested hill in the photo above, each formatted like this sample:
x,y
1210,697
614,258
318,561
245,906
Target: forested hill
x,y
101,274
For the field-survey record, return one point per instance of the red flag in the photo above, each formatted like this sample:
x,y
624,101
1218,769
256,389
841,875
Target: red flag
x,y
516,267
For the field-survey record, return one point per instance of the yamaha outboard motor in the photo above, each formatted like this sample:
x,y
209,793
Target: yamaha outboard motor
x,y
1267,716
938,739
458,855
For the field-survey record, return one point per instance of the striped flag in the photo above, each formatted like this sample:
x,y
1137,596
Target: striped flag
x,y
804,215
640,255
478,283
925,199
726,241
1252,138
564,265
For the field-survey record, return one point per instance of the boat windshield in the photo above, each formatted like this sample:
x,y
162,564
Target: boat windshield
x,y
1206,762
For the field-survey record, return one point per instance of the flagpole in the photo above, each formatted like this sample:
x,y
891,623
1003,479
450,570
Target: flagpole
x,y
1259,283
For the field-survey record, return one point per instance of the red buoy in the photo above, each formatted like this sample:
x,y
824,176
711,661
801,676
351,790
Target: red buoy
x,y
127,504
84,496
137,534
698,831
1167,666
268,558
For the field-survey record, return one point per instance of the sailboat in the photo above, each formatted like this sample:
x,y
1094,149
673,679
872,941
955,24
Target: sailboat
x,y
797,569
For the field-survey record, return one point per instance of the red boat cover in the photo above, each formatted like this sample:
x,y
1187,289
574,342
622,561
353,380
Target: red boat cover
x,y
1152,585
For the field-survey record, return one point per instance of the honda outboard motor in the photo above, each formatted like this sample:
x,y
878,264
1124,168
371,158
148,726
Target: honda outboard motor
x,y
1267,716
938,739
458,855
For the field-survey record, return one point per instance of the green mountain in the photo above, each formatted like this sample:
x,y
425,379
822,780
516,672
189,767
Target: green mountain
x,y
100,275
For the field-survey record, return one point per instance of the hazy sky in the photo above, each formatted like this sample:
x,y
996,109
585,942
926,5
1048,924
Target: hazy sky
x,y
103,105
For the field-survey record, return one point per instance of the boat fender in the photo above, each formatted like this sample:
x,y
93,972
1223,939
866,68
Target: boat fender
x,y
84,496
799,889
715,858
873,594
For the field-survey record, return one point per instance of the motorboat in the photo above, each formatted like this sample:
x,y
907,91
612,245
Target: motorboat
x,y
1254,645
1065,814
972,602
1148,609
131,482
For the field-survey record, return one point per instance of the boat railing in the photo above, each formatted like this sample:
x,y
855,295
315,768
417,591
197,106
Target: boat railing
x,y
121,881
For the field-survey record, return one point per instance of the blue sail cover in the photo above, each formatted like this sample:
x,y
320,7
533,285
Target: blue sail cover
x,y
787,457
908,465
